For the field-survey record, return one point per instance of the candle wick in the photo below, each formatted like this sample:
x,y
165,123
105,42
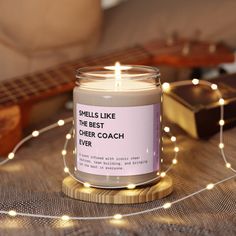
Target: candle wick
x,y
117,75
118,82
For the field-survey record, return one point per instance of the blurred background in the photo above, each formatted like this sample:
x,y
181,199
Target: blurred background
x,y
35,35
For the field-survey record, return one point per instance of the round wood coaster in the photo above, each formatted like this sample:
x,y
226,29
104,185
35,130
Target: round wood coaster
x,y
76,190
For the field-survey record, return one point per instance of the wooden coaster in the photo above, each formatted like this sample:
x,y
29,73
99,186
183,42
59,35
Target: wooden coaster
x,y
76,190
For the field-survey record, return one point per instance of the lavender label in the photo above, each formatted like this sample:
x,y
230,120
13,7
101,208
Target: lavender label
x,y
117,141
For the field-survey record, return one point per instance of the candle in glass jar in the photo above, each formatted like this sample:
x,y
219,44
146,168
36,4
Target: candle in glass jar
x,y
117,111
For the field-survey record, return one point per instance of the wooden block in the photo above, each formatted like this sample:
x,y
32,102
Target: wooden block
x,y
76,190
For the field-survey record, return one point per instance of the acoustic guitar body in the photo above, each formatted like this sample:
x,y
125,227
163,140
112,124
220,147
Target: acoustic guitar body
x,y
10,128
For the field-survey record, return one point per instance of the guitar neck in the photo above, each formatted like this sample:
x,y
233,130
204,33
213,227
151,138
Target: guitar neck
x,y
60,79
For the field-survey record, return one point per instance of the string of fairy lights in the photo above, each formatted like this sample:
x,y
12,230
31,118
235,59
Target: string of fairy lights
x,y
166,87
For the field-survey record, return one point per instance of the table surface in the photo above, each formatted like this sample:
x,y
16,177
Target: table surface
x,y
32,183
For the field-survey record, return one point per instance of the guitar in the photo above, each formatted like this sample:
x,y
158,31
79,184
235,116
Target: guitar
x,y
18,95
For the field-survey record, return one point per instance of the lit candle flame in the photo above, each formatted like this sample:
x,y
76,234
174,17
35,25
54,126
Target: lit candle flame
x,y
117,74
117,68
117,71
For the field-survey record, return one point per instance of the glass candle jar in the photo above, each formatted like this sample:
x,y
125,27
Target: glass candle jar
x,y
117,115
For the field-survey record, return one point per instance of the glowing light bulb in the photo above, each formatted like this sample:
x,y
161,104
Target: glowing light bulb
x,y
35,133
61,122
173,138
68,136
228,165
167,129
195,81
167,205
66,170
12,213
162,160
174,161
221,122
221,101
65,217
63,152
176,149
163,174
11,155
87,185
131,186
214,87
117,216
210,186
166,87
221,145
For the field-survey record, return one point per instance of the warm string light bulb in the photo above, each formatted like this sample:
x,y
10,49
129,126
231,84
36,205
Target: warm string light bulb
x,y
167,129
35,133
195,81
61,122
131,186
163,174
221,145
117,216
11,155
68,136
174,161
12,213
66,169
87,185
228,165
221,101
176,149
221,122
167,205
165,87
65,217
173,138
63,152
210,186
214,87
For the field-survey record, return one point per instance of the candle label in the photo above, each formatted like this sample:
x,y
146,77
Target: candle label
x,y
118,141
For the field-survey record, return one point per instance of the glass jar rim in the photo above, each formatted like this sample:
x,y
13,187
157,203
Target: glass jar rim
x,y
108,72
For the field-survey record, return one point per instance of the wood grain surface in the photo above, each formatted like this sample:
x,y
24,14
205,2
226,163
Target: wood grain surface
x,y
76,190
